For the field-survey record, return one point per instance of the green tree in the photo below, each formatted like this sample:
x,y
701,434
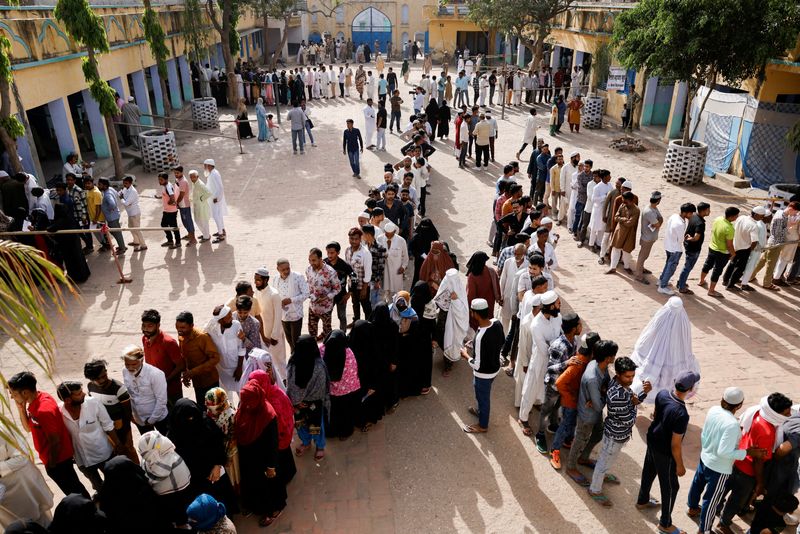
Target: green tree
x,y
194,30
701,41
154,34
224,16
10,127
520,19
86,28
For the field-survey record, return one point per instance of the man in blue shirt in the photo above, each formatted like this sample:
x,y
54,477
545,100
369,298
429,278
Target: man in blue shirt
x,y
541,173
353,145
111,212
462,92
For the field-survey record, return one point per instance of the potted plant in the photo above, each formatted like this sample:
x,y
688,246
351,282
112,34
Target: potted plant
x,y
700,42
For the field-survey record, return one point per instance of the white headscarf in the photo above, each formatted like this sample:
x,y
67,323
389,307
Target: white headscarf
x,y
165,469
767,414
259,359
664,348
457,323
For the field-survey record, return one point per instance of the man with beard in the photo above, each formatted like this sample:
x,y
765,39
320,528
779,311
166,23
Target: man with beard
x,y
228,336
163,352
271,310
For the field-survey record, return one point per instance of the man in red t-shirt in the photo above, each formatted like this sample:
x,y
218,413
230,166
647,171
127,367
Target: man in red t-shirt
x,y
163,352
759,425
41,416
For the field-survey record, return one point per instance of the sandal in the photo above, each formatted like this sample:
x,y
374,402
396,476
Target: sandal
x,y
676,530
600,498
652,503
579,479
319,455
693,512
425,391
526,428
611,479
716,295
509,372
474,429
301,449
772,287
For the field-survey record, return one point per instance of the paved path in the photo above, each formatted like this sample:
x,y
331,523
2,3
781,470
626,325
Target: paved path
x,y
416,471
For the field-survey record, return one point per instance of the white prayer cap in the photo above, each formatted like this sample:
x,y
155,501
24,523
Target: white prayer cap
x,y
574,153
225,310
733,396
536,301
582,162
390,228
760,210
262,271
549,297
479,304
130,99
210,161
627,184
132,352
546,220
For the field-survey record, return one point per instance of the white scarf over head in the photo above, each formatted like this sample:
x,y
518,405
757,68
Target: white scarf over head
x,y
767,414
457,323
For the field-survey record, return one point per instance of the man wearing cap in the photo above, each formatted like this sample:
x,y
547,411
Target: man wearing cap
x,y
674,236
227,334
396,261
484,358
271,312
755,254
720,448
41,201
664,456
695,235
599,222
623,240
745,239
219,208
651,222
353,146
566,210
147,386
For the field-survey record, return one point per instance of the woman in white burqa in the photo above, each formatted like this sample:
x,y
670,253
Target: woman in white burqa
x,y
664,348
451,297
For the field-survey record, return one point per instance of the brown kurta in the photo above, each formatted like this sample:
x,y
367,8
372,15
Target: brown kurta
x,y
610,208
624,236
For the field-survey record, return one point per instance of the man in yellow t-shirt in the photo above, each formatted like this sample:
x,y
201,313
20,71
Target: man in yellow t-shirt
x,y
93,200
720,249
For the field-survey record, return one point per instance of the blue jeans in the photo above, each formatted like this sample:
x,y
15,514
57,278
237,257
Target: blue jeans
x,y
186,219
688,265
578,212
298,136
569,418
306,437
116,235
714,484
310,135
483,393
673,259
375,295
353,156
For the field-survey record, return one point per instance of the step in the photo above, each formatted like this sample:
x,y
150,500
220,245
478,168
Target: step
x,y
733,180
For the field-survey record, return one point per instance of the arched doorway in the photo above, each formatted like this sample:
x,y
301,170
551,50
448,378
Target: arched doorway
x,y
371,25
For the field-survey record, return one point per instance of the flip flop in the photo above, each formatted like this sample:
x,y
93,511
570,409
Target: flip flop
x,y
579,479
319,455
676,530
469,429
301,449
526,428
611,479
652,503
600,498
509,372
716,295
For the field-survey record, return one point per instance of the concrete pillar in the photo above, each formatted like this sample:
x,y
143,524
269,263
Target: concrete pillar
x,y
174,84
520,54
62,124
97,125
676,111
555,58
142,95
648,100
247,46
120,85
157,94
186,78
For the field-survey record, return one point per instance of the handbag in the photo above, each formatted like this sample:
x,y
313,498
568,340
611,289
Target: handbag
x,y
309,124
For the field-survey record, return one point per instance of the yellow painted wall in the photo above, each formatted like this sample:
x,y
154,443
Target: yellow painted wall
x,y
781,79
443,32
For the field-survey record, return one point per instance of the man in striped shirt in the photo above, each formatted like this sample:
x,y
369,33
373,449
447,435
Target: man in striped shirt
x,y
621,405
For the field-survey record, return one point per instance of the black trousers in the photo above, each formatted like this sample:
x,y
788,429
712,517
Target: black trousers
x,y
715,261
491,94
422,194
361,304
341,90
481,150
658,464
733,274
292,331
65,477
170,219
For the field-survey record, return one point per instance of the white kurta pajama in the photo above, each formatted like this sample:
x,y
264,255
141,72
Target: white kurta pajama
x,y
369,125
524,347
517,86
230,347
219,209
457,322
25,492
396,257
271,312
566,204
544,331
508,289
597,226
755,254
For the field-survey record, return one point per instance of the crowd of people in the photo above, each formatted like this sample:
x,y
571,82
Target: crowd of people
x,y
402,310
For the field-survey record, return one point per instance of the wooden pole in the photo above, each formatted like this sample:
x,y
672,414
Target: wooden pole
x,y
92,230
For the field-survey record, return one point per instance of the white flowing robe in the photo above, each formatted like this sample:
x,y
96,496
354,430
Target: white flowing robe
x,y
530,130
214,184
524,347
371,87
271,312
601,190
229,346
25,492
544,331
457,322
396,257
205,86
369,125
508,289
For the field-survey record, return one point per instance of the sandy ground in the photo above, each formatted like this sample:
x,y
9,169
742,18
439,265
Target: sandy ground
x,y
417,471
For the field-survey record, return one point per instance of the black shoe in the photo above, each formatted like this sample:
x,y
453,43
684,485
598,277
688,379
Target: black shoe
x,y
541,444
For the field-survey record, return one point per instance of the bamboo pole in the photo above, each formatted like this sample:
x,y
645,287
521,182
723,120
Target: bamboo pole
x,y
93,231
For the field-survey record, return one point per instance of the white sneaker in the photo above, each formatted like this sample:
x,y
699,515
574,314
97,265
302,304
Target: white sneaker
x,y
665,291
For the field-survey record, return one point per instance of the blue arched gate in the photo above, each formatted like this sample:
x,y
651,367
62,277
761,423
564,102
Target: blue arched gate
x,y
371,25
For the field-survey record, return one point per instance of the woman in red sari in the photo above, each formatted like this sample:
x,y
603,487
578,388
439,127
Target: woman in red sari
x,y
482,283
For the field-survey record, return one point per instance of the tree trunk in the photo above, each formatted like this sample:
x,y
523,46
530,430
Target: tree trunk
x,y
265,54
690,94
285,36
9,143
538,50
700,112
230,66
113,144
165,98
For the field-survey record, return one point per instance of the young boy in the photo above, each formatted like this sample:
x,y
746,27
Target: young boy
x,y
621,405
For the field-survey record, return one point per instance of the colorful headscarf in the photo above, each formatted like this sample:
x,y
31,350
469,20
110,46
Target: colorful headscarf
x,y
254,414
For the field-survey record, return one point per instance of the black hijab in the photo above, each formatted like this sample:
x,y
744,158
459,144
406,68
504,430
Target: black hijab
x,y
335,354
25,527
420,296
362,342
304,358
477,263
432,111
424,234
197,438
127,498
75,509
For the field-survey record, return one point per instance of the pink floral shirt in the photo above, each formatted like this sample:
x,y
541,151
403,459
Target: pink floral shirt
x,y
323,286
349,382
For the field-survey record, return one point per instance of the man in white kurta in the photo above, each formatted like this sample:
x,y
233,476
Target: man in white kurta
x,y
227,334
508,284
597,226
218,206
546,327
396,261
524,347
372,85
369,124
567,207
271,311
518,81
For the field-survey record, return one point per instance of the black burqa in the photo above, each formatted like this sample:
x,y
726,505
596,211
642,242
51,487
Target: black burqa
x,y
201,444
372,366
444,119
423,365
344,408
432,114
68,246
75,509
387,338
128,500
424,234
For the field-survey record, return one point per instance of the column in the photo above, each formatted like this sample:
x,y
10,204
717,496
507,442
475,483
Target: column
x,y
120,85
247,46
555,58
157,94
186,79
62,124
97,125
648,100
174,84
142,95
676,111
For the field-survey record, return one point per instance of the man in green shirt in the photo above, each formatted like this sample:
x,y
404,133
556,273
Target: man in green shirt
x,y
720,249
